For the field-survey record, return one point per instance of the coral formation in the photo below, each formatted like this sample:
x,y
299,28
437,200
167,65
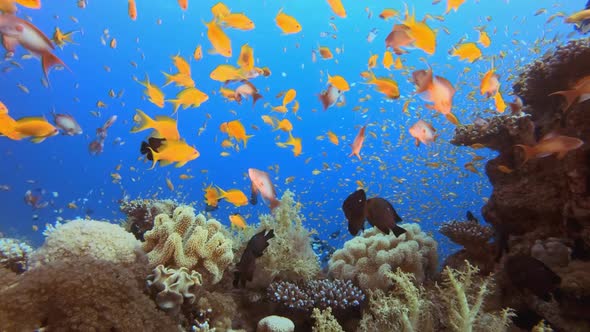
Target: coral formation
x,y
173,287
14,254
368,259
275,324
216,310
186,240
552,251
142,212
322,294
470,234
324,321
79,238
85,294
290,256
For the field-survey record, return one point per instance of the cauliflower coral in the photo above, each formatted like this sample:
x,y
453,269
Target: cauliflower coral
x,y
368,259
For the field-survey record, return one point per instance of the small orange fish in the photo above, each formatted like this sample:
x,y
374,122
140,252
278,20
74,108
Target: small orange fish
x,y
183,4
198,54
237,220
423,132
288,24
337,8
579,92
220,41
234,196
325,53
467,51
132,10
238,21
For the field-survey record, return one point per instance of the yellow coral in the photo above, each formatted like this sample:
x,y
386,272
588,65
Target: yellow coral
x,y
190,241
289,256
79,238
368,259
324,321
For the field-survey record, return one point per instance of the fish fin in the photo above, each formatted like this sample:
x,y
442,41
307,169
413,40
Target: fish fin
x,y
275,203
145,122
155,158
38,139
561,155
569,95
9,43
417,143
48,60
165,163
255,97
398,230
180,164
253,195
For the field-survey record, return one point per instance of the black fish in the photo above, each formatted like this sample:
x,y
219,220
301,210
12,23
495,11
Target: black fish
x,y
354,208
471,217
382,215
378,211
153,143
247,265
530,273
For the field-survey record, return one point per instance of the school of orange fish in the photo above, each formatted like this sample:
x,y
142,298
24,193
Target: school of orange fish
x,y
409,37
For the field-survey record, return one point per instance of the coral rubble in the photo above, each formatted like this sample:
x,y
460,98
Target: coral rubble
x,y
186,240
367,259
14,254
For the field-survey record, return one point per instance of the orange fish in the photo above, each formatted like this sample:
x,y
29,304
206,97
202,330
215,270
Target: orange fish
x,y
16,31
339,82
183,4
132,10
235,129
550,144
295,142
211,198
337,8
169,152
36,127
490,83
288,24
424,37
388,13
484,39
467,51
357,144
399,37
234,196
164,126
453,4
261,183
246,59
580,92
238,21
155,95
437,90
220,10
385,85
189,97
220,41
7,124
237,220
325,53
198,54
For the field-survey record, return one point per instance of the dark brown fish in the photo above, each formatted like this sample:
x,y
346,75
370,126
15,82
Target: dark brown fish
x,y
382,215
247,265
153,143
526,272
398,37
354,208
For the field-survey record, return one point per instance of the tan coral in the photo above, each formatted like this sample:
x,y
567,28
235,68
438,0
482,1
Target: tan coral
x,y
368,259
190,241
325,321
78,238
275,324
173,287
289,256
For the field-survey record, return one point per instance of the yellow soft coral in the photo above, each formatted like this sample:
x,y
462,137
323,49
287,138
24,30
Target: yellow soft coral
x,y
368,259
325,321
289,256
190,241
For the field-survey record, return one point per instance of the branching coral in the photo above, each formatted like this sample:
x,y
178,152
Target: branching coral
x,y
336,294
406,309
79,238
290,255
324,321
470,234
173,287
142,212
82,295
14,254
368,259
463,294
190,241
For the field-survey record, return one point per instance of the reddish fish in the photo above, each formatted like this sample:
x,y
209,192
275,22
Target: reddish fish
x,y
358,143
262,184
16,31
551,144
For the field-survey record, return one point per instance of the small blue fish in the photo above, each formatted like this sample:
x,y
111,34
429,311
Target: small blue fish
x,y
372,35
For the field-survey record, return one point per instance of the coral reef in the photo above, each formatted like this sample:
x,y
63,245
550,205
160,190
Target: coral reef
x,y
173,287
324,321
275,324
14,254
85,294
186,240
552,251
368,259
322,294
216,310
79,238
290,256
142,212
471,235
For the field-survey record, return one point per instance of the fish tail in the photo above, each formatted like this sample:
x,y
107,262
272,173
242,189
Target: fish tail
x,y
255,97
246,139
529,152
274,203
176,104
48,60
168,79
569,95
155,157
398,230
145,122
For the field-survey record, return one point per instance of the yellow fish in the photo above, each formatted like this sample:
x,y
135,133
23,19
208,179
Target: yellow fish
x,y
288,24
155,95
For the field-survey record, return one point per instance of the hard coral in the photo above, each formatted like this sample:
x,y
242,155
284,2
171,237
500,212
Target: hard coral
x,y
275,324
142,212
85,294
290,255
14,254
190,241
322,294
173,287
470,234
368,259
80,238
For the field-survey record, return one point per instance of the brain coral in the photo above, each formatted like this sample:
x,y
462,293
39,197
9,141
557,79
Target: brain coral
x,y
368,259
81,295
78,238
190,241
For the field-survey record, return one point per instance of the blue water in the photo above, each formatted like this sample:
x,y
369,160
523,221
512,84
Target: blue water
x,y
63,165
